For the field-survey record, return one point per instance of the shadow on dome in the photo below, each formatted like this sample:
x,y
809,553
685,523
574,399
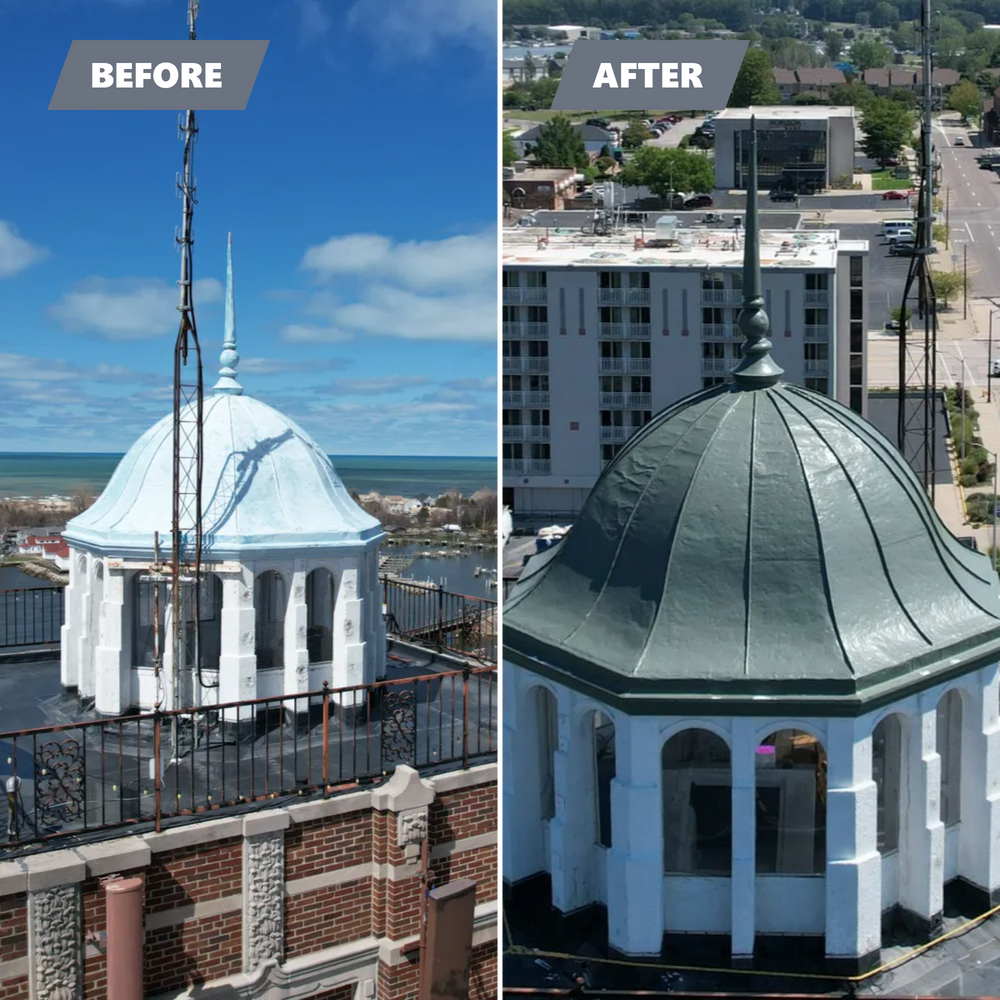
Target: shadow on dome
x,y
233,486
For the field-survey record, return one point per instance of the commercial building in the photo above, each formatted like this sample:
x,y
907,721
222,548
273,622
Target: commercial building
x,y
600,333
802,149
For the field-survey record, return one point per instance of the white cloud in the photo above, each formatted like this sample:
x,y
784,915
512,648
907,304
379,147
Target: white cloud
x,y
19,368
127,308
472,384
376,386
417,27
279,366
393,312
302,333
431,264
313,20
16,253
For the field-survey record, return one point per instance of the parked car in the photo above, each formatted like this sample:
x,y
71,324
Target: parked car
x,y
599,122
712,219
995,369
783,196
892,326
959,141
894,195
699,201
890,161
901,236
676,118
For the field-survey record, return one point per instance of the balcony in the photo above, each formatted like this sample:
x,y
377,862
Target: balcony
x,y
626,400
518,400
525,296
817,367
722,296
525,331
817,297
624,331
721,331
633,366
525,432
718,366
515,365
610,435
817,334
623,297
527,466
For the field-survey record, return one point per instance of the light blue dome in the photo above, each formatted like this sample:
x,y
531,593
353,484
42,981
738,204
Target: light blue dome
x,y
267,488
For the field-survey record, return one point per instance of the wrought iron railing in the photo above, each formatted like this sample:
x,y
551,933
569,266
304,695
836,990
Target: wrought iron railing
x,y
31,616
426,613
143,769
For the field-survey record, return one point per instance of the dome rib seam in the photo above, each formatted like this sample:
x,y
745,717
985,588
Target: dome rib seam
x,y
625,529
748,557
868,520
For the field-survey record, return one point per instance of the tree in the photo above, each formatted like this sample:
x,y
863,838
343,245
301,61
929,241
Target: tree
x,y
559,145
665,171
966,100
940,232
947,285
885,15
510,154
635,134
833,42
869,53
755,81
530,69
886,127
81,499
854,93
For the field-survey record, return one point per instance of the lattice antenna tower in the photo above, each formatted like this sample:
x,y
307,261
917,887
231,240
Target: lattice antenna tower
x,y
916,420
188,457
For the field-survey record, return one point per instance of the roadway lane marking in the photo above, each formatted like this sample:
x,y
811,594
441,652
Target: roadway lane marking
x,y
968,367
971,237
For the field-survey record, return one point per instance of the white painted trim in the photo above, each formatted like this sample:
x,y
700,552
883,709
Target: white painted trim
x,y
195,833
339,876
193,911
453,781
305,812
475,843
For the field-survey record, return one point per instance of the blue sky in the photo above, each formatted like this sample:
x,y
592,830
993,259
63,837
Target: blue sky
x,y
359,186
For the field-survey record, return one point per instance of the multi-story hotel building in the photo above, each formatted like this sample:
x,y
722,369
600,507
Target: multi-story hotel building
x,y
600,333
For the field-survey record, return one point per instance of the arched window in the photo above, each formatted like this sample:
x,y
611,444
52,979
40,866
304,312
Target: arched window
x,y
319,613
887,762
269,601
697,804
548,740
791,804
209,611
949,748
604,773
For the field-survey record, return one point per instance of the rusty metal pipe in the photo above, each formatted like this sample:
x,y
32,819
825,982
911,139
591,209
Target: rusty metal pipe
x,y
123,900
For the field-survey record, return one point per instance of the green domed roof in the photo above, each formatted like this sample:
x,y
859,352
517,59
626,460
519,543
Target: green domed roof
x,y
756,543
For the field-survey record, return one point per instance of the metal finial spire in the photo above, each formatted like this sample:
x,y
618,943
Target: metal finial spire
x,y
757,369
229,358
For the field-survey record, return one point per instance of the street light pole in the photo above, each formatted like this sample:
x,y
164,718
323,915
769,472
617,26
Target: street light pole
x,y
965,281
989,362
947,217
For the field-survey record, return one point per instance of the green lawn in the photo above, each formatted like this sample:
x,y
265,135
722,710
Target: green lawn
x,y
885,180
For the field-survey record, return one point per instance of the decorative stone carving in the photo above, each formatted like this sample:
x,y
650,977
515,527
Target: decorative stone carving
x,y
264,888
56,951
411,826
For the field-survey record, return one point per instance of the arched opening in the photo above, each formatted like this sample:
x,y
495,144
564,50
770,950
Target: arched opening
x,y
269,601
697,804
887,766
518,197
209,612
790,777
547,716
604,773
949,748
319,614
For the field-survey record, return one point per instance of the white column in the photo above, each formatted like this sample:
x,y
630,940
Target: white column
x,y
113,694
743,759
296,618
979,849
521,767
375,661
853,863
71,633
237,659
635,861
921,848
573,831
348,635
87,638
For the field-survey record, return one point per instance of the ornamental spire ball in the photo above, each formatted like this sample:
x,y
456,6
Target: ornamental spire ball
x,y
757,369
229,358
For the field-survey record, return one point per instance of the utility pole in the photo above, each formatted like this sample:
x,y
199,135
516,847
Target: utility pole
x,y
965,281
947,217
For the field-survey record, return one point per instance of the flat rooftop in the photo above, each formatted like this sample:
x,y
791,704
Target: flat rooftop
x,y
786,112
690,249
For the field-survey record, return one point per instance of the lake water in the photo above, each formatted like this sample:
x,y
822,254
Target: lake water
x,y
456,573
520,51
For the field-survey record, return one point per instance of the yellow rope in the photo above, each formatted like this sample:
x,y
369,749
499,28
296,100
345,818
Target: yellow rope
x,y
513,949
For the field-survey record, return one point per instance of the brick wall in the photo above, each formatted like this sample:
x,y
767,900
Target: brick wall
x,y
346,882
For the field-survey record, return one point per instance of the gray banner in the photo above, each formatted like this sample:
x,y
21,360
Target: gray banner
x,y
158,75
636,75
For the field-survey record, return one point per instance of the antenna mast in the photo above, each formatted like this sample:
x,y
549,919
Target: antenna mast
x,y
921,374
185,564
